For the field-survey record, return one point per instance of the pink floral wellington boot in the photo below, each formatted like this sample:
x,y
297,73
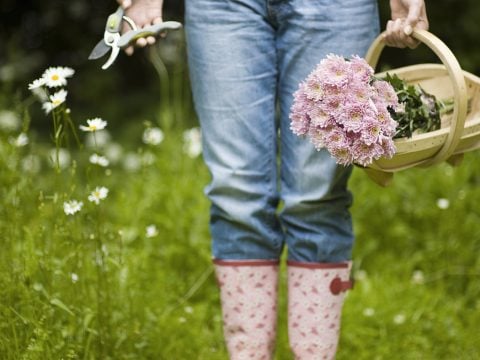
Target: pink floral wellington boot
x,y
315,299
248,293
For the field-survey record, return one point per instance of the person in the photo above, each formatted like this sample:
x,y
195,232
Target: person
x,y
270,188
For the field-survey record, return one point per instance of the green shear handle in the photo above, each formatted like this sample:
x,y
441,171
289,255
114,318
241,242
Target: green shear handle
x,y
151,30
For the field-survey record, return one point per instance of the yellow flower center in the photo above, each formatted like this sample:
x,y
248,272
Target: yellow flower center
x,y
55,77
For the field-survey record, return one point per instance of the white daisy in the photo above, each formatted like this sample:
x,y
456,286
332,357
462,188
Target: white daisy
x,y
66,71
41,94
192,142
58,98
443,204
368,312
151,231
20,140
98,194
74,277
9,121
55,100
47,107
94,125
54,77
399,319
63,157
132,162
97,139
72,206
153,136
37,83
99,160
31,164
417,277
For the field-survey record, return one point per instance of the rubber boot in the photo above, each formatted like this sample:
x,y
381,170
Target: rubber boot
x,y
248,294
315,299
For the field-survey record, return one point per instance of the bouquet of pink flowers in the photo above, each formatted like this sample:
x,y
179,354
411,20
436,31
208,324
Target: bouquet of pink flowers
x,y
341,107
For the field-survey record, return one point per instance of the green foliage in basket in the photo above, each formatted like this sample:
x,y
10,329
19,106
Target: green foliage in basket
x,y
419,111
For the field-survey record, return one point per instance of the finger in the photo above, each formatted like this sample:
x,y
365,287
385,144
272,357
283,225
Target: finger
x,y
125,3
151,40
391,38
387,37
141,42
129,50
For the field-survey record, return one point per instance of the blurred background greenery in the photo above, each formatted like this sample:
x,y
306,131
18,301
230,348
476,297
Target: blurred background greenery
x,y
38,34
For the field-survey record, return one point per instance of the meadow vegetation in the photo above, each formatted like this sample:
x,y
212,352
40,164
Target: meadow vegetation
x,y
131,276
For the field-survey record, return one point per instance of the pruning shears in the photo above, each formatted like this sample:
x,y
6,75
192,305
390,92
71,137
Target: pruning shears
x,y
112,40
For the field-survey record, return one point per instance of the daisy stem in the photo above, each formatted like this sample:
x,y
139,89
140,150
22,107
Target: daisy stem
x,y
68,119
56,139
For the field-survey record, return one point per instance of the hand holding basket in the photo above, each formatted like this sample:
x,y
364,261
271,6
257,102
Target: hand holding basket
x,y
459,132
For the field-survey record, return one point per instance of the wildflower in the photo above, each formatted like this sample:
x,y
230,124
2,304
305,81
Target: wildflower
x,y
192,142
60,157
55,100
151,231
31,164
98,194
74,277
418,278
443,204
182,320
153,136
188,309
37,83
97,139
57,76
132,162
71,207
19,141
41,94
368,312
399,319
99,160
113,151
361,275
9,121
94,125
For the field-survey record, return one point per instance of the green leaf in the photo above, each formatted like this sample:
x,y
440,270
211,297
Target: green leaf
x,y
61,305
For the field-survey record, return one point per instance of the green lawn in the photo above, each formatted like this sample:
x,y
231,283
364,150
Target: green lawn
x,y
94,286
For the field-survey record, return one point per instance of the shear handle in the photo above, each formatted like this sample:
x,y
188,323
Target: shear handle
x,y
151,30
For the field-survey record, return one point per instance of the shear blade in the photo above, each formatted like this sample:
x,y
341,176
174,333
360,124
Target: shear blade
x,y
111,59
99,50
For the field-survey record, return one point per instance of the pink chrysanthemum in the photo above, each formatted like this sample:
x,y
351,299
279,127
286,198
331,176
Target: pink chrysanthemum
x,y
360,69
313,88
341,107
333,70
385,93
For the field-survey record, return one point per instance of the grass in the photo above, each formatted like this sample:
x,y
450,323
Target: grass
x,y
94,286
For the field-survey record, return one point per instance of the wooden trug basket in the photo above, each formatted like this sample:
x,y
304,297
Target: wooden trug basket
x,y
460,130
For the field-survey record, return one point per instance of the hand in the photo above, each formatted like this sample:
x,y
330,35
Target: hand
x,y
143,13
406,16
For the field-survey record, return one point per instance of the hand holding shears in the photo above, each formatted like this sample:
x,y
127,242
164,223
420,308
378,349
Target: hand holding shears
x,y
114,41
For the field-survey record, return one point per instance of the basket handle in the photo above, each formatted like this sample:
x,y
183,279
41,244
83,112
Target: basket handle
x,y
459,87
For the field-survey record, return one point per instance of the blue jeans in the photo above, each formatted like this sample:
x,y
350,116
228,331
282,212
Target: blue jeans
x,y
269,187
